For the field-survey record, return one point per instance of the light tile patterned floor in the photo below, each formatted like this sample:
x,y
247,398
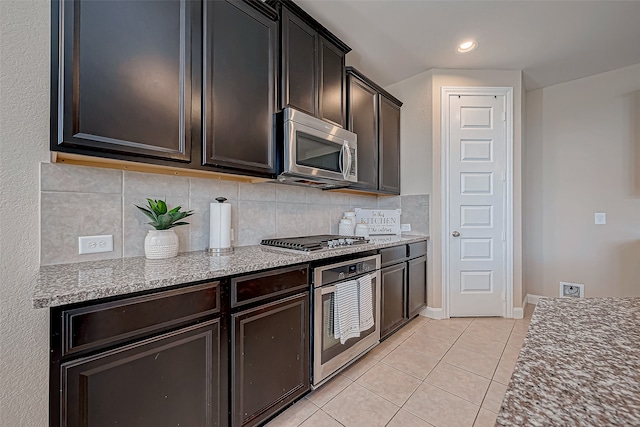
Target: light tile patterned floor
x,y
443,373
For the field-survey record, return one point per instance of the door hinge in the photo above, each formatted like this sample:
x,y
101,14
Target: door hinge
x,y
504,116
504,299
504,176
504,236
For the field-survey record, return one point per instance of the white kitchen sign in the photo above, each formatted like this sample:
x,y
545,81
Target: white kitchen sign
x,y
380,221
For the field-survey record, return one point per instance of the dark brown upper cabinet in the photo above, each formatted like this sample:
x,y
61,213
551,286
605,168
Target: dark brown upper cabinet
x,y
389,134
312,65
240,51
374,115
176,83
122,77
363,120
299,64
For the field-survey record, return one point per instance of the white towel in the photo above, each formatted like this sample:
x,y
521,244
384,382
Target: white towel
x,y
346,315
366,303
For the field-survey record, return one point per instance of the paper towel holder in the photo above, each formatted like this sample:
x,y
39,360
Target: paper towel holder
x,y
220,251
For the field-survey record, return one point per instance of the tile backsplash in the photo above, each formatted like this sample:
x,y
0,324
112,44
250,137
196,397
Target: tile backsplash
x,y
82,201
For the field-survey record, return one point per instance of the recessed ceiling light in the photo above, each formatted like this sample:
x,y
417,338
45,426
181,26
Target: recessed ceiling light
x,y
467,46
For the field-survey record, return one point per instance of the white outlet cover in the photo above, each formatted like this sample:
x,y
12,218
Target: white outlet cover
x,y
600,218
95,244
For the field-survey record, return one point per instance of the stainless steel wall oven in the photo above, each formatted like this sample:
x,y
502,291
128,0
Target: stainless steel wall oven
x,y
330,354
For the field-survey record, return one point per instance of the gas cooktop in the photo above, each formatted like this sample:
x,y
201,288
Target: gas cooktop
x,y
314,243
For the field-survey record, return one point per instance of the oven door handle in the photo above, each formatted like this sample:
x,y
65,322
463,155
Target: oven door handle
x,y
327,290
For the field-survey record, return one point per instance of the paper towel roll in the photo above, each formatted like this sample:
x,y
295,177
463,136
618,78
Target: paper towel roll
x,y
220,226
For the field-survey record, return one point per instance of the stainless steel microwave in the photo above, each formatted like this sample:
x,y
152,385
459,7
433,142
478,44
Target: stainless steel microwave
x,y
316,153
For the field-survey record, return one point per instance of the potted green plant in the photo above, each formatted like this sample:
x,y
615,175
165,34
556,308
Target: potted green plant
x,y
163,241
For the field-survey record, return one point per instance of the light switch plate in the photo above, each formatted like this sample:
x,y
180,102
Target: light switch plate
x,y
95,244
600,218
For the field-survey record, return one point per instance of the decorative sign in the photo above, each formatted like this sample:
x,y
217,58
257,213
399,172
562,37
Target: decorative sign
x,y
380,221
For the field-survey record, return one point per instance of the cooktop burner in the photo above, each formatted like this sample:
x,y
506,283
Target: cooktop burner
x,y
314,243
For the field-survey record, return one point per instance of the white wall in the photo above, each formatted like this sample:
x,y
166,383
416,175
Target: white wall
x,y
415,132
532,196
24,136
583,156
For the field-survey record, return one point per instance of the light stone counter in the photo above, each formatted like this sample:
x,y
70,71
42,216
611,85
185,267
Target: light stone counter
x,y
62,284
579,366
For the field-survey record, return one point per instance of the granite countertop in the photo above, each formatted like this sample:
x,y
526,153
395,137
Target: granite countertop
x,y
62,284
579,366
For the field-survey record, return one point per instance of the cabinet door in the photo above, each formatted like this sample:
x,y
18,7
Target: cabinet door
x,y
125,77
332,79
240,51
389,146
363,120
270,346
299,64
169,380
417,284
393,299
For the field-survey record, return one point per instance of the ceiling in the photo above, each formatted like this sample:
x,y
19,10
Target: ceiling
x,y
550,41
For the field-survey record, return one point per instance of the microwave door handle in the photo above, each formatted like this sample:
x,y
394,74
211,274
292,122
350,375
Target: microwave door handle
x,y
345,162
349,160
341,160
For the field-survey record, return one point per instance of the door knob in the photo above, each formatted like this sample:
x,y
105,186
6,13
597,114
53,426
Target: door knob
x,y
455,234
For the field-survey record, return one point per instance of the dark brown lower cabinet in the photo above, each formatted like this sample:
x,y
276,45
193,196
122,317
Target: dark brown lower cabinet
x,y
403,284
156,359
270,358
393,299
168,380
417,283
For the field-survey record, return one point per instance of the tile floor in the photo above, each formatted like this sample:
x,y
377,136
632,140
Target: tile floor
x,y
442,373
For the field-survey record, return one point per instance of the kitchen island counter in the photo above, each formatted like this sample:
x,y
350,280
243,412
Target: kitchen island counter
x,y
62,284
580,365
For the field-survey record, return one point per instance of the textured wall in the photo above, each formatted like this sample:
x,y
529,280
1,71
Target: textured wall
x,y
24,136
415,132
583,156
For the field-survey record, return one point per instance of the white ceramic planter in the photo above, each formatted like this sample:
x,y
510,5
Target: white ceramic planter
x,y
161,244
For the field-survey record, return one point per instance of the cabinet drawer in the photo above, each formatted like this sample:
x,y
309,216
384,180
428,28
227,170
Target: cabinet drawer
x,y
417,249
389,256
115,321
260,286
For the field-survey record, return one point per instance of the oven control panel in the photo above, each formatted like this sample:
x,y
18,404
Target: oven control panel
x,y
346,270
353,269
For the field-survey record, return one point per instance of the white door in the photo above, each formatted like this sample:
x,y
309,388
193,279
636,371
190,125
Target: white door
x,y
477,205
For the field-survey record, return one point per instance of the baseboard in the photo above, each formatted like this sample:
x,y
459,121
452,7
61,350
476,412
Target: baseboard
x,y
533,299
518,313
432,313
